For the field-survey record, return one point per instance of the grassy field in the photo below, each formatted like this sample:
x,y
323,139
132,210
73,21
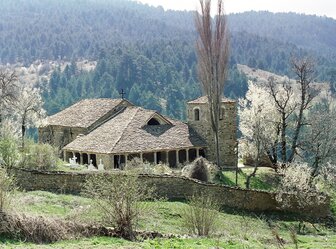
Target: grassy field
x,y
234,230
266,178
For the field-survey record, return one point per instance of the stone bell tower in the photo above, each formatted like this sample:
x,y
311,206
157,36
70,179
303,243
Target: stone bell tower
x,y
198,116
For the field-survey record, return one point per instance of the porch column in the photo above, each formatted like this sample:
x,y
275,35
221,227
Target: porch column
x,y
167,157
197,152
155,157
187,155
177,157
89,158
64,155
81,158
141,158
112,161
126,157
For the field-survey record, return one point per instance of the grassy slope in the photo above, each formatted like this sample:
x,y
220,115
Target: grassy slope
x,y
266,178
234,230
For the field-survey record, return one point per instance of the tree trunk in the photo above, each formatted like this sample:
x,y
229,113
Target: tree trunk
x,y
217,148
249,177
283,139
23,131
296,134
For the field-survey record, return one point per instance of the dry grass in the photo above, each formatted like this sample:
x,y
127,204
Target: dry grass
x,y
39,229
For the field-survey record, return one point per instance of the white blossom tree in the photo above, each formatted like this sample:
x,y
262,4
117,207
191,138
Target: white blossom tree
x,y
278,105
319,138
8,90
258,117
28,109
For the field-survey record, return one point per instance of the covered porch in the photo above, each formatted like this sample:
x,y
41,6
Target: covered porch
x,y
173,158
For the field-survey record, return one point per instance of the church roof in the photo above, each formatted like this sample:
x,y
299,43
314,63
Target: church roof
x,y
83,114
129,132
204,100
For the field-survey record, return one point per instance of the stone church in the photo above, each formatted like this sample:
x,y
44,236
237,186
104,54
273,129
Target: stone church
x,y
114,131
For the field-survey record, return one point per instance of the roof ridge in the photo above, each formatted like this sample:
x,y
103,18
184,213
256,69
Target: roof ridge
x,y
126,126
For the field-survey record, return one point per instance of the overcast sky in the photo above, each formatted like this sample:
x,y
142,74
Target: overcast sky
x,y
318,7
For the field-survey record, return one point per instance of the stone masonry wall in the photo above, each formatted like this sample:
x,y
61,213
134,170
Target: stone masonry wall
x,y
227,132
59,136
171,187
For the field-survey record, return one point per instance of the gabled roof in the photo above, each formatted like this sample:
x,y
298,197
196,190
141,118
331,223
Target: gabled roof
x,y
204,100
128,133
84,113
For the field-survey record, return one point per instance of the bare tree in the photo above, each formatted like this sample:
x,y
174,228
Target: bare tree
x,y
8,90
282,95
304,71
213,53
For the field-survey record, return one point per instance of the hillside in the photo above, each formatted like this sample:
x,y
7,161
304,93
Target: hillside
x,y
149,52
305,31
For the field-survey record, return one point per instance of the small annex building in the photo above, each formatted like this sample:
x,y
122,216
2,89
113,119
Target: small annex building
x,y
114,131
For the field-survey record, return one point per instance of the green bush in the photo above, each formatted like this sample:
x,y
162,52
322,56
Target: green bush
x,y
6,187
137,167
200,169
118,198
9,153
39,156
200,216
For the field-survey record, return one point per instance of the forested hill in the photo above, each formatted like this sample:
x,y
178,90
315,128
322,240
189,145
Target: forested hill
x,y
54,29
306,31
148,51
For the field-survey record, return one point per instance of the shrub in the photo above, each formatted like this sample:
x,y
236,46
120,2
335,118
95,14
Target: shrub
x,y
38,229
200,169
297,181
6,188
39,156
118,197
136,166
326,178
161,168
9,153
200,216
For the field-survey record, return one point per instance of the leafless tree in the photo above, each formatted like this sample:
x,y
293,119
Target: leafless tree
x,y
304,71
8,90
282,95
213,53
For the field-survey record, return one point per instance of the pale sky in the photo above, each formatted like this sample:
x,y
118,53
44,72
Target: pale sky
x,y
317,7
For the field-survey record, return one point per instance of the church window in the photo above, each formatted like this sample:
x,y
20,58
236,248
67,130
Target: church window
x,y
153,121
196,114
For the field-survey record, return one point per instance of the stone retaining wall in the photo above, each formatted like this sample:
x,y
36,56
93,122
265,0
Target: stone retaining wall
x,y
171,187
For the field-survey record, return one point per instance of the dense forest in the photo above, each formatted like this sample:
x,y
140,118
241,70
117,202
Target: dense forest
x,y
149,52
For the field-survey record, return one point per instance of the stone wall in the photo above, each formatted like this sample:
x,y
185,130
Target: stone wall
x,y
171,187
59,136
227,131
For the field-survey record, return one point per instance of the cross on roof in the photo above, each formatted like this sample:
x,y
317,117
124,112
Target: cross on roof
x,y
122,93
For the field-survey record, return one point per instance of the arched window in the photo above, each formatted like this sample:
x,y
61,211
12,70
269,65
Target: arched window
x,y
153,121
196,114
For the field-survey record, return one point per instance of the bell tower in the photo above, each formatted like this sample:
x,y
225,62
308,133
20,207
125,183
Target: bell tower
x,y
198,117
